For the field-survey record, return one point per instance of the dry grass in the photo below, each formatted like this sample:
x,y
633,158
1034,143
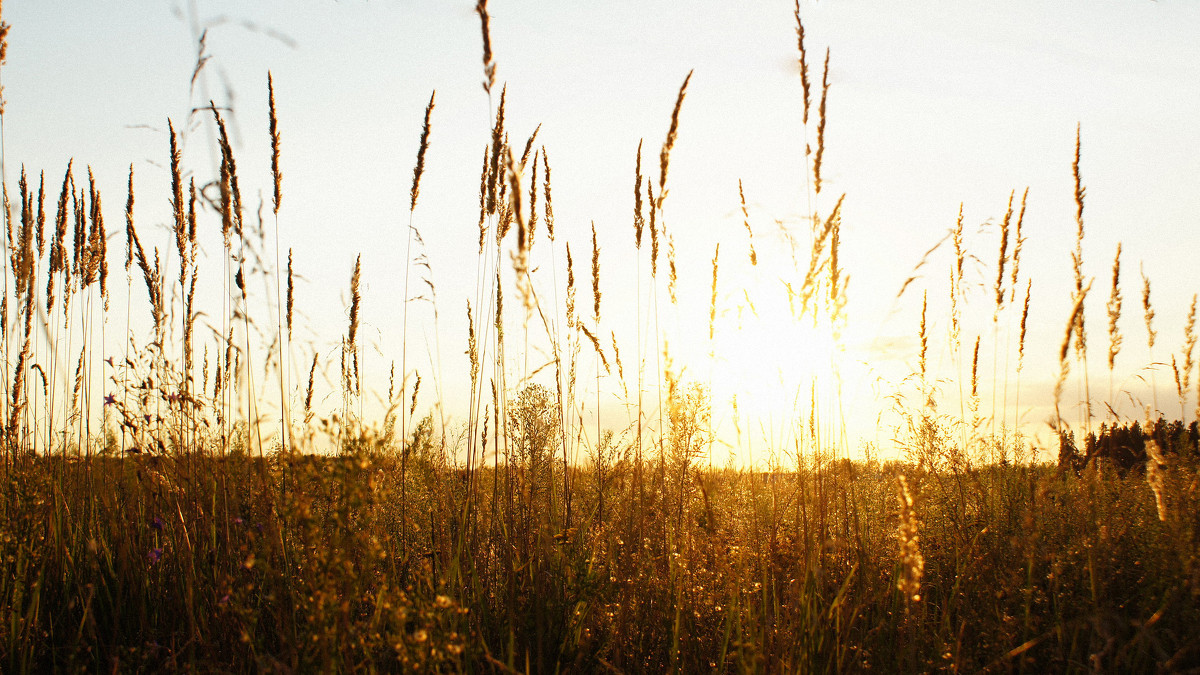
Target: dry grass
x,y
169,525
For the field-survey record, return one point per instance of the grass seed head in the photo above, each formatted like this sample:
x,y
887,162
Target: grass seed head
x,y
1114,311
420,166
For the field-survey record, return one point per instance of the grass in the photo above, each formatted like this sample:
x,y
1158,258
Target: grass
x,y
162,512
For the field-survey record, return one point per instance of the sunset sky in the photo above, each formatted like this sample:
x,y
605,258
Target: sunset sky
x,y
931,105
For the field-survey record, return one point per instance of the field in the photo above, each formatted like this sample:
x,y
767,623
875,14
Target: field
x,y
199,498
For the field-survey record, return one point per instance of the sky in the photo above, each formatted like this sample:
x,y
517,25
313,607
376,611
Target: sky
x,y
931,105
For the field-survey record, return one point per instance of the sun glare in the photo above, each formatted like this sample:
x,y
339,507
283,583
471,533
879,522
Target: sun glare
x,y
772,349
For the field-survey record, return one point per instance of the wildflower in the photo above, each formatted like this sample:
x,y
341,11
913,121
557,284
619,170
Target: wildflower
x,y
110,399
224,600
157,523
109,361
154,555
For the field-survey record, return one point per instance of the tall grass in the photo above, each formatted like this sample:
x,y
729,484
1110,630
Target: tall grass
x,y
186,520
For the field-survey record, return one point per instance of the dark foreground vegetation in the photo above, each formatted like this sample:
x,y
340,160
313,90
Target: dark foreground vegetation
x,y
357,563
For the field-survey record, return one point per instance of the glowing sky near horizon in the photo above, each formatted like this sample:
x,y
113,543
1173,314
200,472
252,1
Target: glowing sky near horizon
x,y
931,104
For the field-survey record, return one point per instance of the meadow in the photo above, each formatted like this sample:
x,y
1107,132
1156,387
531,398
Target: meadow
x,y
192,500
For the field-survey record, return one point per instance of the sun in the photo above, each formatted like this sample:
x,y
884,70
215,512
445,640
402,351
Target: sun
x,y
769,355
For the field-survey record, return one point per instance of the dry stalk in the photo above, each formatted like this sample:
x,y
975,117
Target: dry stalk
x,y
746,223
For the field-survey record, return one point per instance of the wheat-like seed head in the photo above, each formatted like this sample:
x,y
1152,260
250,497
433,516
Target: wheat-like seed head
x,y
498,143
924,336
273,129
355,300
204,371
1178,382
816,263
673,278
188,327
1024,320
1077,255
1003,257
1114,311
821,126
489,63
499,322
308,392
1018,244
4,28
570,289
975,370
128,228
533,198
803,61
487,416
664,159
959,249
653,230
290,294
835,271
549,207
79,209
955,330
191,220
41,215
99,249
1189,344
746,223
596,346
412,408
1080,191
420,167
1074,324
595,277
1147,309
516,206
617,358
22,253
231,195
712,306
639,220
529,146
472,344
89,261
483,197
